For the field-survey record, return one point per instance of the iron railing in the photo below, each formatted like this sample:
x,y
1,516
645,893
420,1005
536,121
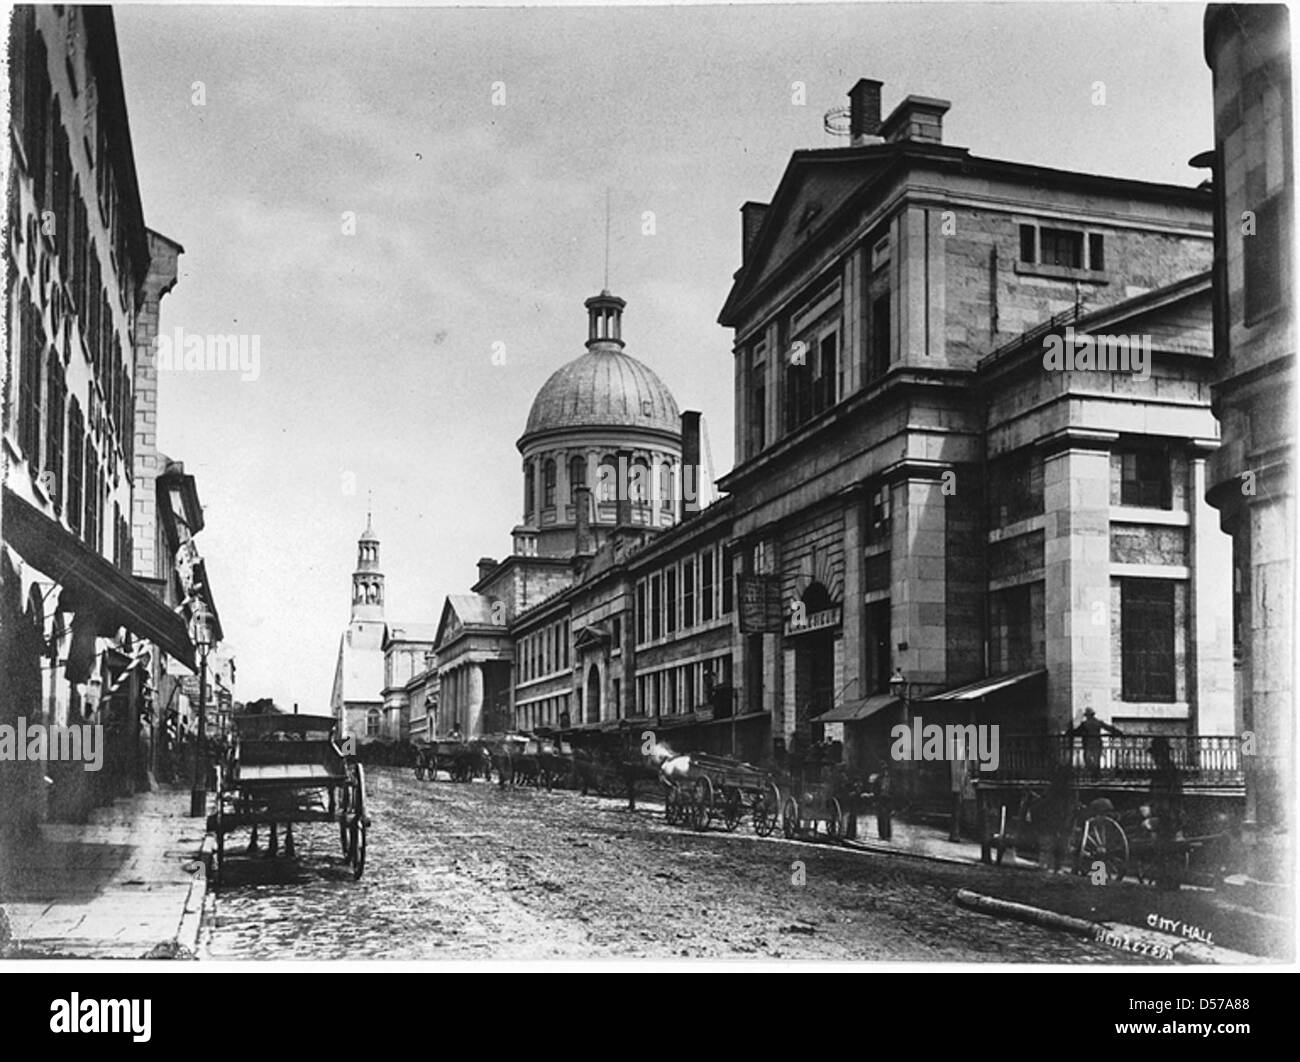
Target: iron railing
x,y
1203,760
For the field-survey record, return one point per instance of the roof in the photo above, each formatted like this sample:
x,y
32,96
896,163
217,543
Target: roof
x,y
411,632
856,711
603,388
974,691
467,610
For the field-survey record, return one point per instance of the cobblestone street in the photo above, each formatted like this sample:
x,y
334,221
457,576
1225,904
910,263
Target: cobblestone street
x,y
473,872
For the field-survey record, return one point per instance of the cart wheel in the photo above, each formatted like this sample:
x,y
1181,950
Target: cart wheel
x,y
419,771
1103,841
767,809
834,820
790,818
732,810
359,851
343,818
703,804
670,807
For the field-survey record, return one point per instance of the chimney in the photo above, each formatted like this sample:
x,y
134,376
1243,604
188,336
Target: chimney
x,y
485,566
918,118
623,504
582,520
690,477
751,220
864,111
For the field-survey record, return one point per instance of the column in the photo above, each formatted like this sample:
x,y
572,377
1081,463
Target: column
x,y
474,700
918,613
1076,562
851,648
1211,559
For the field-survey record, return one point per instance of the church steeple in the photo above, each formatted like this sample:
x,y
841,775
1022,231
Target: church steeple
x,y
368,580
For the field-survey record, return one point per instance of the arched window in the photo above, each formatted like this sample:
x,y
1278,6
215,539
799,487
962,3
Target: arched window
x,y
666,488
607,482
529,490
372,723
548,484
638,487
577,475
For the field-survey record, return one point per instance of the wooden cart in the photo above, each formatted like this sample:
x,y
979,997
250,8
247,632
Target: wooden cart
x,y
287,769
720,789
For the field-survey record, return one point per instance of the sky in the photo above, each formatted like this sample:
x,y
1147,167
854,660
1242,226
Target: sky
x,y
404,209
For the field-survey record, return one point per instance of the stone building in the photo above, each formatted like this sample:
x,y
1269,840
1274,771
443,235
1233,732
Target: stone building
x,y
939,505
1250,479
408,668
83,280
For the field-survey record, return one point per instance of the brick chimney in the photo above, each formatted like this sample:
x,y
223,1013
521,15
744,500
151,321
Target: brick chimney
x,y
582,520
485,567
864,111
917,118
623,498
751,220
690,477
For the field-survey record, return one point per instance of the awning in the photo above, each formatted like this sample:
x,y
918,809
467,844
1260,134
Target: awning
x,y
91,585
975,690
856,711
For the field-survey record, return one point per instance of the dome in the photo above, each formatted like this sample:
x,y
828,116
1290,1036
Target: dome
x,y
604,388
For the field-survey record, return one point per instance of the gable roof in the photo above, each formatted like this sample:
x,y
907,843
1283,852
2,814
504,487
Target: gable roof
x,y
465,610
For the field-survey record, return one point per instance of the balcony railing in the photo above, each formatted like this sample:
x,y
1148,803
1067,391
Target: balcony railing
x,y
1199,760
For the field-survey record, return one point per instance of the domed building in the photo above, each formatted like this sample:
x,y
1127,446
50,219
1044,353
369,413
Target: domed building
x,y
601,420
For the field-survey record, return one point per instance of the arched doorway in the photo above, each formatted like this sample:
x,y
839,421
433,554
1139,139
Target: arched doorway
x,y
593,694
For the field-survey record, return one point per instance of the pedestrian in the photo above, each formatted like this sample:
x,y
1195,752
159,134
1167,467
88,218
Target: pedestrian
x,y
1167,803
882,791
1090,730
1053,818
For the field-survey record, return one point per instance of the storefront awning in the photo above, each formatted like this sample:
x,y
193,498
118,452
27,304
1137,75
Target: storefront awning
x,y
92,585
974,691
856,711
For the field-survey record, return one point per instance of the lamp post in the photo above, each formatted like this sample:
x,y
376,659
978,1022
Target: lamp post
x,y
201,636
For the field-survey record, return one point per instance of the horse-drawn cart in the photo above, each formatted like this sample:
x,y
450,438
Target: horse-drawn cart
x,y
287,769
700,789
462,760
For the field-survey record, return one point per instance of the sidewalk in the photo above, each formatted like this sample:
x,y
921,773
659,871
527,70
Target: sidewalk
x,y
128,884
1234,919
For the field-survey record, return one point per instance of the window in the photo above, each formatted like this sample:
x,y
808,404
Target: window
x,y
1028,244
1147,639
56,389
76,436
656,618
32,348
826,387
880,338
666,491
758,414
1015,488
548,499
879,522
798,394
726,579
372,723
640,613
617,706
688,594
577,476
1262,262
706,586
617,634
529,491
1096,251
670,600
90,522
1061,247
1144,479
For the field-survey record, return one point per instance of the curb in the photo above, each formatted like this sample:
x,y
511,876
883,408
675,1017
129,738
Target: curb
x,y
1186,952
191,923
885,849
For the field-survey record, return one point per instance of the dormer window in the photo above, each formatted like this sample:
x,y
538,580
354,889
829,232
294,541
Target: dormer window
x,y
1061,252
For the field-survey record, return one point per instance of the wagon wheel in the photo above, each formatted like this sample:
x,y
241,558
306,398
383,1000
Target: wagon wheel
x,y
732,810
834,820
1103,840
703,806
419,770
790,818
767,809
670,806
344,791
359,850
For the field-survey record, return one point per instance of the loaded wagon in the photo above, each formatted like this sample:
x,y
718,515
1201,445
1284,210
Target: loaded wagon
x,y
461,760
700,789
282,770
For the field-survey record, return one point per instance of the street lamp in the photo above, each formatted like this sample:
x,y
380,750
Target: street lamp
x,y
898,686
201,636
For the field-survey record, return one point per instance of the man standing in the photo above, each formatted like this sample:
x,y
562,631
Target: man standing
x,y
1091,730
1167,802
